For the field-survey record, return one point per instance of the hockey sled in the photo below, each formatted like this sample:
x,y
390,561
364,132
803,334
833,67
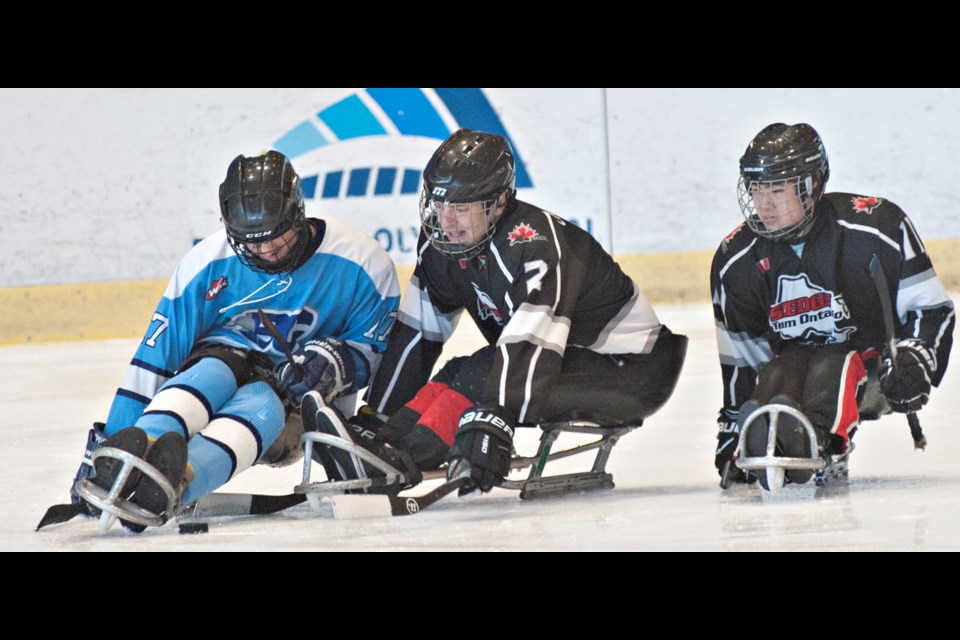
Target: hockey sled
x,y
336,498
535,485
112,504
826,469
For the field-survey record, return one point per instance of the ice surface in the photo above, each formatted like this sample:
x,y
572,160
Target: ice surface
x,y
666,498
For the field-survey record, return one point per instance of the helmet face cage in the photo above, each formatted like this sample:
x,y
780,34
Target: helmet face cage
x,y
261,200
296,248
431,208
467,174
749,192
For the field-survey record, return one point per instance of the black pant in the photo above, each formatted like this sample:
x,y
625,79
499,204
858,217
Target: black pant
x,y
610,389
828,382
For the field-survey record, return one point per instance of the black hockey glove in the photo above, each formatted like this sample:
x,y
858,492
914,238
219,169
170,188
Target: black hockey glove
x,y
95,439
728,438
906,383
482,447
327,366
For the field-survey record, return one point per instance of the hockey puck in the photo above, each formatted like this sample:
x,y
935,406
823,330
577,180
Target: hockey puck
x,y
194,527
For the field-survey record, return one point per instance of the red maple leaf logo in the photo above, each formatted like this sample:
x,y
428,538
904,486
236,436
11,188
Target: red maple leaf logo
x,y
730,235
522,233
865,204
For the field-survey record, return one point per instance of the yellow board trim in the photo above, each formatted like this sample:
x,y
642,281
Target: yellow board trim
x,y
122,309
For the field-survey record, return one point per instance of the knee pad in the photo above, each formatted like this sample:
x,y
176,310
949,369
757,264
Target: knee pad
x,y
246,366
235,358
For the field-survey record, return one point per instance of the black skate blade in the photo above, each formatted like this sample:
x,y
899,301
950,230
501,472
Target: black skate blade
x,y
60,513
168,455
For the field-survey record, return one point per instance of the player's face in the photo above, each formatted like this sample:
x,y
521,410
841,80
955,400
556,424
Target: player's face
x,y
463,223
777,203
276,249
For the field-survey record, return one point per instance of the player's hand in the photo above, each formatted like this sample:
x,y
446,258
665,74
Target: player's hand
x,y
906,382
728,437
325,366
482,447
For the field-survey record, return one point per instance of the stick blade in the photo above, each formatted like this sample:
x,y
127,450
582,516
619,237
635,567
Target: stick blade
x,y
356,507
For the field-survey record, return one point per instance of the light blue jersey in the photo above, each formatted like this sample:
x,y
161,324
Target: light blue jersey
x,y
347,289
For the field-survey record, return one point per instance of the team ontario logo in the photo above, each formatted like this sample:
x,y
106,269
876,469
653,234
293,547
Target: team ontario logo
x,y
865,204
809,313
523,233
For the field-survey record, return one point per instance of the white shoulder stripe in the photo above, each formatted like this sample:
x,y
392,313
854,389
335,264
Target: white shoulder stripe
x,y
914,237
871,230
736,257
556,243
212,248
506,274
347,241
503,268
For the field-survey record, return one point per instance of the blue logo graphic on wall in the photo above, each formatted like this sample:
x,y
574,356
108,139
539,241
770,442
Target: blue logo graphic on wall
x,y
426,113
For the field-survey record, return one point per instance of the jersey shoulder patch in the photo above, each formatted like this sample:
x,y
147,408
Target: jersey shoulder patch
x,y
870,211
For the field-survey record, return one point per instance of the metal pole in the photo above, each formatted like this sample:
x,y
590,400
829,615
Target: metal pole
x,y
606,155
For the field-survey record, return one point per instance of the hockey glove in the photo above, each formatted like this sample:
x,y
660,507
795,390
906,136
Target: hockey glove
x,y
906,382
327,367
95,439
482,447
728,438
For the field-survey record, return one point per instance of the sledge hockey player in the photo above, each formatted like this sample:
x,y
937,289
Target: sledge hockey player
x,y
571,337
209,389
800,317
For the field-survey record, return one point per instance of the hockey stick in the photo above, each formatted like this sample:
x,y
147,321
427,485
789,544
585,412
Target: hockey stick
x,y
212,505
272,329
403,505
59,513
216,505
883,290
241,504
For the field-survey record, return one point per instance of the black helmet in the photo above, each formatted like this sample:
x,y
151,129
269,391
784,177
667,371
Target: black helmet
x,y
260,200
785,154
470,166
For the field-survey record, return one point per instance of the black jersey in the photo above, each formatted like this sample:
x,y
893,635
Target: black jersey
x,y
543,285
767,293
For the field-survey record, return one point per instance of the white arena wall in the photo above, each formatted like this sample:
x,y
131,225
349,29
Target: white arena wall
x,y
103,190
